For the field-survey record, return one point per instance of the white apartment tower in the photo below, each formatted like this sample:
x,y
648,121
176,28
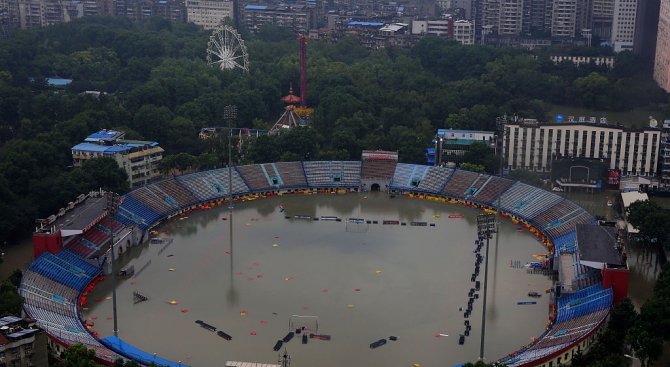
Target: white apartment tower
x,y
623,25
563,18
662,62
208,13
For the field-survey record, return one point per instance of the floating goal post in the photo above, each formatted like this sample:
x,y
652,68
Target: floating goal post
x,y
356,225
310,324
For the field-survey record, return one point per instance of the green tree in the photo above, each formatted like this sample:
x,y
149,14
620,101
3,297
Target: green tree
x,y
10,300
472,167
105,173
525,176
480,153
78,355
651,220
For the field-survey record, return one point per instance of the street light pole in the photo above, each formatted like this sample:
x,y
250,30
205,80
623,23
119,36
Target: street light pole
x,y
485,227
230,113
113,202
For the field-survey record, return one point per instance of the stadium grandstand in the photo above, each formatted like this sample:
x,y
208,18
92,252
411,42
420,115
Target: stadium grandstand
x,y
377,169
72,248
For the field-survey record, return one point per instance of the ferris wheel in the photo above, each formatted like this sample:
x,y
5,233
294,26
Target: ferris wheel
x,y
226,49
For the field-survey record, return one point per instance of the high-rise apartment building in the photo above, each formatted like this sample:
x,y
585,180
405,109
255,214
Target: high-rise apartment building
x,y
563,18
646,25
510,21
9,16
623,25
662,59
602,13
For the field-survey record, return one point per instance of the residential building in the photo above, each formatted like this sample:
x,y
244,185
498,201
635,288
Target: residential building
x,y
564,18
662,58
208,13
623,25
535,16
442,27
138,158
452,145
602,14
664,168
510,17
532,145
22,343
9,16
464,32
294,17
646,26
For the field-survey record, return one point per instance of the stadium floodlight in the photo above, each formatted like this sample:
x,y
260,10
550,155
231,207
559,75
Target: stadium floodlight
x,y
486,226
113,203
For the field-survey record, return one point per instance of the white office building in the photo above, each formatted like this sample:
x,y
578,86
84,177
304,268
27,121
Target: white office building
x,y
532,145
623,25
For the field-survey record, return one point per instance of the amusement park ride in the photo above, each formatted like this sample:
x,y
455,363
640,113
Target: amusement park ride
x,y
227,51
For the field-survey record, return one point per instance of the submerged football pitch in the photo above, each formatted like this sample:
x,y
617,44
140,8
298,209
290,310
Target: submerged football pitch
x,y
364,282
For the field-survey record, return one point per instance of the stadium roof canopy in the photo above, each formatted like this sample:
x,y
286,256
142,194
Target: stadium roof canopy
x,y
81,217
130,352
597,246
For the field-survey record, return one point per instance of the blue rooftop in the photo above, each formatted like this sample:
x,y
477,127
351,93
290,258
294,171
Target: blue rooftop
x,y
117,148
101,135
58,82
256,7
128,351
90,147
367,24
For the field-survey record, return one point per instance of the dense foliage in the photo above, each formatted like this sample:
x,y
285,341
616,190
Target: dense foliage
x,y
652,221
156,85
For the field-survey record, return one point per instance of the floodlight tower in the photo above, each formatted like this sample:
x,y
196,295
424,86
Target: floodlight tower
x,y
303,70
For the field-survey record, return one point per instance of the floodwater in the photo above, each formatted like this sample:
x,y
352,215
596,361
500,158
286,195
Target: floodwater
x,y
363,282
16,256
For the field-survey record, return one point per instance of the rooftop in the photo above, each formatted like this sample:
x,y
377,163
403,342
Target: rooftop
x,y
13,328
81,216
443,132
366,24
631,197
104,135
597,246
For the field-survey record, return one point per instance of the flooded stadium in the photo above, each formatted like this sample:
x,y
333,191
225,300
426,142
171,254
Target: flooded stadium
x,y
363,281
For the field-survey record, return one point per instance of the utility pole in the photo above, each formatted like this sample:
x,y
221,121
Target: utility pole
x,y
113,202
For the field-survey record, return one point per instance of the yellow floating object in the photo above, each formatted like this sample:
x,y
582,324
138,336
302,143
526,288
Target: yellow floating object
x,y
171,269
248,224
275,245
416,365
436,215
173,302
350,306
378,271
